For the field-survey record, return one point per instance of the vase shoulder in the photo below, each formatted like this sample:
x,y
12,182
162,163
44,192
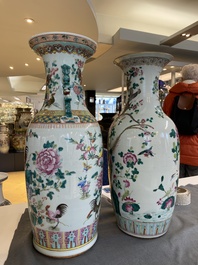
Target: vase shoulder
x,y
78,116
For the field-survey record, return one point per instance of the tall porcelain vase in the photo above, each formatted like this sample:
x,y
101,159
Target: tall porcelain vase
x,y
143,152
63,152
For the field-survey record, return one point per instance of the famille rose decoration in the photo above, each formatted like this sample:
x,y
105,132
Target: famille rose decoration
x,y
64,152
143,151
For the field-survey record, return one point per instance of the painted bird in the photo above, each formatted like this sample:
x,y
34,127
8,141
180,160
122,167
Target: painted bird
x,y
95,206
147,152
53,217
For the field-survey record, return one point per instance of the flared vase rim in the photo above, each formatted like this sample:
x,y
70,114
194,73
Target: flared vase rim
x,y
62,33
162,55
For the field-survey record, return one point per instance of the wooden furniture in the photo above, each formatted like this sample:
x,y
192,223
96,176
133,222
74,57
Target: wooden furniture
x,y
12,162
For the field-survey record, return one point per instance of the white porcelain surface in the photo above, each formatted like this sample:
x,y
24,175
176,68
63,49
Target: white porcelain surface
x,y
64,152
143,152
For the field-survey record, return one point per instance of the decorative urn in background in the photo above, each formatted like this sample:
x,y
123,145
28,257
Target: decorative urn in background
x,y
4,139
143,151
64,152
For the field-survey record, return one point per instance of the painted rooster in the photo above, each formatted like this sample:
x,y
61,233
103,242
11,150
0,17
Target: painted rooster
x,y
53,217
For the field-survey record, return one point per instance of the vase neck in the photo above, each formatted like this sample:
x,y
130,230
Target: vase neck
x,y
63,82
143,85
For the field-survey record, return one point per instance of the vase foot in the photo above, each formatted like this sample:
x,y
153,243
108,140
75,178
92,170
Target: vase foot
x,y
143,229
65,253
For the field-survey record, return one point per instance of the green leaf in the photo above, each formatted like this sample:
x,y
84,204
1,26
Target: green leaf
x,y
120,154
37,191
50,195
39,179
49,182
95,175
49,145
161,187
33,157
70,173
148,216
60,174
135,171
33,208
40,220
28,175
63,184
136,207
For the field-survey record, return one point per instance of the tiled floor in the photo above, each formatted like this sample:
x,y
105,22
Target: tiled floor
x,y
14,188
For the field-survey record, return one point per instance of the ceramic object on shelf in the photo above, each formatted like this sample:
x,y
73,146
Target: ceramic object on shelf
x,y
25,118
18,140
143,151
64,152
3,201
4,139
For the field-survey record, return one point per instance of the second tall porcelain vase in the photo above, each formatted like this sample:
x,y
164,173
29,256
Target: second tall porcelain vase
x,y
64,152
143,151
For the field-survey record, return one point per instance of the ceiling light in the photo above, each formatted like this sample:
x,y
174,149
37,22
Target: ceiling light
x,y
29,20
26,64
11,67
38,59
186,35
181,35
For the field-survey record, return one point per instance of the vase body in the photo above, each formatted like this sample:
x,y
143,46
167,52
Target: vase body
x,y
64,152
143,152
4,139
18,139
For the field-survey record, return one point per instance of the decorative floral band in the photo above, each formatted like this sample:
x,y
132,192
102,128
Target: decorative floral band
x,y
60,241
62,37
147,58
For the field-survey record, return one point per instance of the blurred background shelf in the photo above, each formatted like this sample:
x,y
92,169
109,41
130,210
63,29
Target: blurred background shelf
x,y
12,162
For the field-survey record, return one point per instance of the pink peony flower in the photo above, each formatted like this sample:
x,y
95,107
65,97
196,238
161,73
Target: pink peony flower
x,y
129,158
48,161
